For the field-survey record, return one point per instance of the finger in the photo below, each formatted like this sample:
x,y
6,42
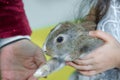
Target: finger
x,y
88,73
102,35
90,56
79,67
29,63
4,79
32,78
39,57
85,61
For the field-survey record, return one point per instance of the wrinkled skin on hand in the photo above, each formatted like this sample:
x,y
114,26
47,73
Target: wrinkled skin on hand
x,y
104,58
20,59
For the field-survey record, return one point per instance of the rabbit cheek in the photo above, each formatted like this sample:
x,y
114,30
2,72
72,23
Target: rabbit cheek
x,y
72,56
75,55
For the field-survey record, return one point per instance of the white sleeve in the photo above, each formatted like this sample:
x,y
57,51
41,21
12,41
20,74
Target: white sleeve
x,y
6,41
110,23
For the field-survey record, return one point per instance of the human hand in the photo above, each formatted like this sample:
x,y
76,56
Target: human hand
x,y
19,60
103,58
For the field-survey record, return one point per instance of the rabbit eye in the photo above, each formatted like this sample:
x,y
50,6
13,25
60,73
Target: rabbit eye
x,y
60,39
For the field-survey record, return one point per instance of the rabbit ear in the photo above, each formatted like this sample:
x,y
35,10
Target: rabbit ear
x,y
89,25
101,9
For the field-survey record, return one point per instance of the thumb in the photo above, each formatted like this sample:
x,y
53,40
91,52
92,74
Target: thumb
x,y
39,57
32,78
102,35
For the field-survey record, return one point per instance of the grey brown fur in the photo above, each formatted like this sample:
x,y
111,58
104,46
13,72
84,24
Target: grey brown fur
x,y
76,44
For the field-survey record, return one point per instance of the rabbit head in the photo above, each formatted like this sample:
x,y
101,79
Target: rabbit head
x,y
66,40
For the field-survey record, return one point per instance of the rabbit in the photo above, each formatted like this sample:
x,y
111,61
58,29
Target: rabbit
x,y
67,42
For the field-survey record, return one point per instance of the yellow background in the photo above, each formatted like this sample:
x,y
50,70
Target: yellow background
x,y
38,37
